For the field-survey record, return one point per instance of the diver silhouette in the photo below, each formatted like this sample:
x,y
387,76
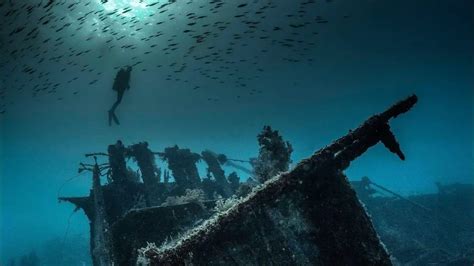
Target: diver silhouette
x,y
121,83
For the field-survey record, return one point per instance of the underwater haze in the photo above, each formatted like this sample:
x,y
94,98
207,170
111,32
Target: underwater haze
x,y
210,75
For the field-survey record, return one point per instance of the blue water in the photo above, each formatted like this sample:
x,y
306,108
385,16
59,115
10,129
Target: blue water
x,y
369,55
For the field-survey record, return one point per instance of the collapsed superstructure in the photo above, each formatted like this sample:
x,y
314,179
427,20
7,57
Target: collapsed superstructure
x,y
110,206
308,215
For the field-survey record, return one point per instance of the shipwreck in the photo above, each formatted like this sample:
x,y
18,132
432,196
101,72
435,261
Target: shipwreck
x,y
309,214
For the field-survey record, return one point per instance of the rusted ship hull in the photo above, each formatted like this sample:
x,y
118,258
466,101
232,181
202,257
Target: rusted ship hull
x,y
309,215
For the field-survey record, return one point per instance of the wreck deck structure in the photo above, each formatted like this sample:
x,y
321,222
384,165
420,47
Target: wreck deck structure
x,y
308,215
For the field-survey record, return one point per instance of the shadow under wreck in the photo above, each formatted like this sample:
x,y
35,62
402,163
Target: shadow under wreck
x,y
309,215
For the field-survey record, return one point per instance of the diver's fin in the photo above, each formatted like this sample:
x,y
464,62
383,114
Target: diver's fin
x,y
110,118
114,117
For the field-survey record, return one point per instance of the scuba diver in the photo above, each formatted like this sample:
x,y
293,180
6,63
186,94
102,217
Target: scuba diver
x,y
121,83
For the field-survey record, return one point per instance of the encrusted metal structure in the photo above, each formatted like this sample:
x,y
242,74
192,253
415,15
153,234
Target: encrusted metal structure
x,y
309,215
